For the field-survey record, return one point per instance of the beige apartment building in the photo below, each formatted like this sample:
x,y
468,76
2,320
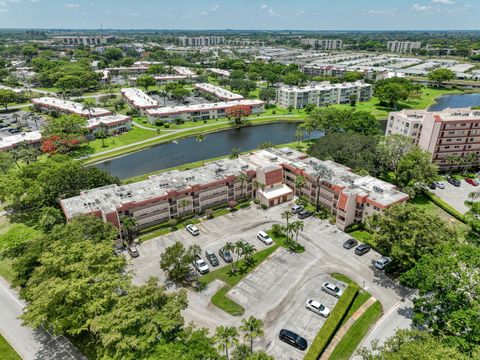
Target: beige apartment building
x,y
268,175
403,46
444,133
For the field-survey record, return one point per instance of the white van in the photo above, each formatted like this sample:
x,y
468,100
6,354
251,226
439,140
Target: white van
x,y
263,237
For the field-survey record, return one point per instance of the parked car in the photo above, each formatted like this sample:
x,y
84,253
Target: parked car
x,y
350,243
293,339
304,214
453,181
133,251
432,186
201,265
264,237
192,229
439,184
332,289
382,262
225,255
473,182
317,308
296,209
362,249
211,257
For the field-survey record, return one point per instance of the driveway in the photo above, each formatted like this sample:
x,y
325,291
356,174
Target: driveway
x,y
277,290
456,196
30,344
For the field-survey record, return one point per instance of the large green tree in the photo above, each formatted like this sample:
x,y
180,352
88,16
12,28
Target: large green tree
x,y
7,96
438,76
415,170
448,305
176,261
391,150
407,232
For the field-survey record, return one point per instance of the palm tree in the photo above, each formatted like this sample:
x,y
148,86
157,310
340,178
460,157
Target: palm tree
x,y
287,215
298,135
229,247
238,248
297,226
321,173
88,105
252,329
199,138
243,178
474,195
248,251
102,134
164,95
299,183
128,225
183,203
452,160
225,337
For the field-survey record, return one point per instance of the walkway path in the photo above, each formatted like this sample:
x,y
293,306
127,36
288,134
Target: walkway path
x,y
30,344
344,329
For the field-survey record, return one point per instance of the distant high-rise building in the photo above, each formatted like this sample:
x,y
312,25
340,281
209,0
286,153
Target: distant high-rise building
x,y
403,46
200,41
325,44
85,40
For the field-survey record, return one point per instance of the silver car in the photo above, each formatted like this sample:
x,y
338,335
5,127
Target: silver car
x,y
332,289
382,262
439,184
317,308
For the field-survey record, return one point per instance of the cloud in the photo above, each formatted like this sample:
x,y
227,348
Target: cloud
x,y
268,10
420,8
444,2
72,6
380,11
215,8
263,7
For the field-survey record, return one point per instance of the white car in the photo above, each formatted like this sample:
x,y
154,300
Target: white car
x,y
192,229
263,237
201,265
382,262
317,308
439,184
332,289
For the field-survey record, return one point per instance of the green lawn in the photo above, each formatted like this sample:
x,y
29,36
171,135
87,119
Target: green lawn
x,y
6,351
361,235
346,347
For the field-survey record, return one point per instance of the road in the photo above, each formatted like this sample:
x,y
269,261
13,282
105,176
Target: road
x,y
397,317
28,343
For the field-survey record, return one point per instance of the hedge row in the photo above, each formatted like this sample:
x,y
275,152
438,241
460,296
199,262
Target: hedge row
x,y
444,206
330,327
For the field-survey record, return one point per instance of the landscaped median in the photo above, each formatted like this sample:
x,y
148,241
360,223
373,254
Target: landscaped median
x,y
6,351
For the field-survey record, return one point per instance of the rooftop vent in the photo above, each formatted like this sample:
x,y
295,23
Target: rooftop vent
x,y
378,189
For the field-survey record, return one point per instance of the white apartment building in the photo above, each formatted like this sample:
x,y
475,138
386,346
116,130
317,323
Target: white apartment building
x,y
85,40
403,46
220,72
324,44
137,99
201,41
51,104
203,111
218,91
10,142
322,94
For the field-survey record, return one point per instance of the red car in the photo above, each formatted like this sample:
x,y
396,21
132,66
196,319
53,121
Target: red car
x,y
473,182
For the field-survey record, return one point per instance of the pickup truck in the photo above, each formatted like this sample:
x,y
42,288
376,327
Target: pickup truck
x,y
200,265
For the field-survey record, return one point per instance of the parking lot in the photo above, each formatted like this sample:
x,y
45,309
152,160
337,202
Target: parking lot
x,y
19,121
276,291
456,196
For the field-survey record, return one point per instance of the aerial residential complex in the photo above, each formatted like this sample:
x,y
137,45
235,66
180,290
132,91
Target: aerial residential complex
x,y
270,179
218,92
85,40
322,94
324,44
204,111
201,41
139,100
403,46
443,133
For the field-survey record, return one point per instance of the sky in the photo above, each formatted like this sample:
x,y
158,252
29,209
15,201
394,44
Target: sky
x,y
243,14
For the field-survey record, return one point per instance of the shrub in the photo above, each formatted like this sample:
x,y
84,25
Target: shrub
x,y
444,206
256,201
274,112
331,325
166,126
277,230
159,122
209,213
264,207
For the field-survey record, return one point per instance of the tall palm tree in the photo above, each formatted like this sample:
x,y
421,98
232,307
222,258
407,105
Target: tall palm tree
x,y
238,248
298,135
229,247
128,225
252,329
88,105
474,195
287,215
225,337
102,134
164,95
183,203
243,178
299,183
297,226
248,251
321,173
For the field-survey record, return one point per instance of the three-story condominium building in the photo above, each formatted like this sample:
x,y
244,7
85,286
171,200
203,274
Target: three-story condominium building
x,y
323,94
441,133
268,175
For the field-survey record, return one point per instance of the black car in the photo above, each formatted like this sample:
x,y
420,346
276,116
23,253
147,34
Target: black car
x,y
453,181
211,257
304,214
225,255
432,186
293,339
350,243
362,249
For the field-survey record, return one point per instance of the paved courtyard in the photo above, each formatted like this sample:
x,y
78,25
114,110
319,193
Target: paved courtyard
x,y
456,196
276,291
